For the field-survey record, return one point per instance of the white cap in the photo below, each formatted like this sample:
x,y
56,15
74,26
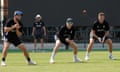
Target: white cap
x,y
38,16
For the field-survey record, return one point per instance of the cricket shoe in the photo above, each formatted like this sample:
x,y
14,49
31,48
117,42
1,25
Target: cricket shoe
x,y
52,61
112,58
87,57
76,59
3,63
31,63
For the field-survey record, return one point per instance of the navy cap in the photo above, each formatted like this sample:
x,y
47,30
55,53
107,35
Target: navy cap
x,y
69,20
18,13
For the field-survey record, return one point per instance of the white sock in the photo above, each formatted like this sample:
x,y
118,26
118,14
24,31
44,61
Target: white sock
x,y
87,54
75,56
53,55
110,54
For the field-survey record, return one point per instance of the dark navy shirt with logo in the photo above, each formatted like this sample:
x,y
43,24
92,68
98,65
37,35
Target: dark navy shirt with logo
x,y
100,29
38,27
12,34
64,32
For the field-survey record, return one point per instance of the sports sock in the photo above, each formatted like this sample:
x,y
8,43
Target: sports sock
x,y
87,54
28,59
110,54
53,55
3,59
75,56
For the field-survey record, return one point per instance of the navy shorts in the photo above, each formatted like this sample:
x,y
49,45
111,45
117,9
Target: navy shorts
x,y
15,41
38,36
63,41
91,36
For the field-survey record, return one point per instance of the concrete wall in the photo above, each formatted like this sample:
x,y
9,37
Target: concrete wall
x,y
55,12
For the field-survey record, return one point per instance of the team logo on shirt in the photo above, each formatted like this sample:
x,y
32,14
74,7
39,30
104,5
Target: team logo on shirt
x,y
38,24
98,27
104,26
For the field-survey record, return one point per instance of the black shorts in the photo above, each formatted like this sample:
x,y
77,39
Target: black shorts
x,y
63,41
91,36
106,38
15,41
38,36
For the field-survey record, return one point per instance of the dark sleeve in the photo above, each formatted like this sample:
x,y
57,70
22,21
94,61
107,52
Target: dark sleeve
x,y
8,23
34,24
61,32
21,29
94,26
73,34
107,27
43,23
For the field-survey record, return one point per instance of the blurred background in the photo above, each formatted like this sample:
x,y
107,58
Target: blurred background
x,y
55,12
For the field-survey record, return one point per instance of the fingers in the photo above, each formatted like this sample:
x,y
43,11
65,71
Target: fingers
x,y
17,26
100,39
103,39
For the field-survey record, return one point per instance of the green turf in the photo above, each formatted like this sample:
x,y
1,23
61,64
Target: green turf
x,y
99,62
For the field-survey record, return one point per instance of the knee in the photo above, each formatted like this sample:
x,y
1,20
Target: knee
x,y
70,42
109,41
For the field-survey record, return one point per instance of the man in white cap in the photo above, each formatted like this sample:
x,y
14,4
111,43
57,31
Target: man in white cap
x,y
39,31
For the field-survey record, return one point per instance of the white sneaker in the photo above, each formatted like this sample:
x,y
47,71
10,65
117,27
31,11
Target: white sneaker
x,y
31,63
52,61
112,58
3,63
76,60
87,57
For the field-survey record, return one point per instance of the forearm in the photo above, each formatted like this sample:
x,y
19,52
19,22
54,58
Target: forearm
x,y
106,33
94,35
7,29
44,30
18,33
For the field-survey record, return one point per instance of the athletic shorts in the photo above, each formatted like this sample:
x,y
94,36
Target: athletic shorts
x,y
106,38
15,41
63,41
92,37
38,36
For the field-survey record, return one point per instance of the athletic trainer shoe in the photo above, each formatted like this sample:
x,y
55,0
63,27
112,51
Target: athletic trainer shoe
x,y
31,63
52,61
87,57
3,63
112,58
76,59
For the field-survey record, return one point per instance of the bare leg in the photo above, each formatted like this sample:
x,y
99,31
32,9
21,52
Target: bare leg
x,y
75,50
89,47
42,43
74,46
23,48
57,45
109,43
35,44
4,51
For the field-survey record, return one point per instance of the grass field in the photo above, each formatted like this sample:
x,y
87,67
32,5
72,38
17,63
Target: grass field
x,y
99,62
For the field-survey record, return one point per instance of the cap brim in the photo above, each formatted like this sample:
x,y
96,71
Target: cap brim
x,y
70,22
